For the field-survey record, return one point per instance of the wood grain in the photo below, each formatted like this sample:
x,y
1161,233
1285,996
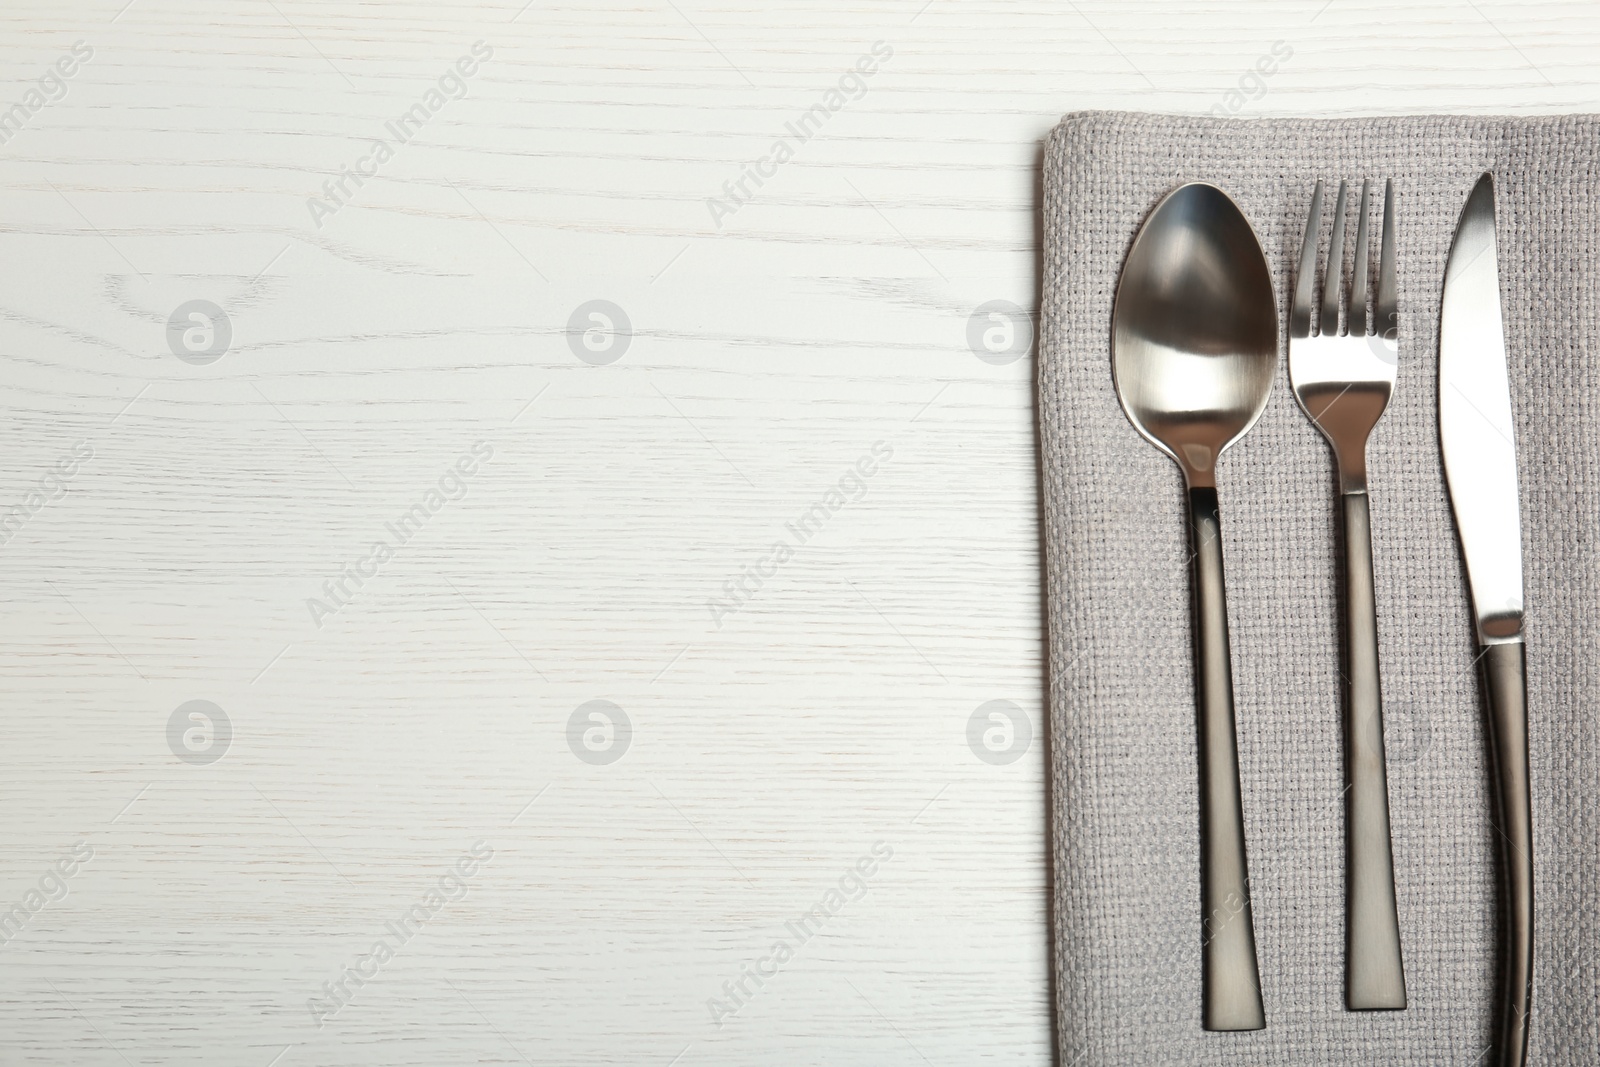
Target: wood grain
x,y
771,746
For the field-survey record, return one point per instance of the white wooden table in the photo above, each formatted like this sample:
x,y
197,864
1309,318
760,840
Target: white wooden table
x,y
784,520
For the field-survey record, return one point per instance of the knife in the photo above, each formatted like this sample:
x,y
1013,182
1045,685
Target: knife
x,y
1480,465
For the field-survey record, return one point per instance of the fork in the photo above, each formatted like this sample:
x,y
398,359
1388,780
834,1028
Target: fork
x,y
1343,379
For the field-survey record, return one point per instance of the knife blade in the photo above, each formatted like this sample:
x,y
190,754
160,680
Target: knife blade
x,y
1478,443
1480,458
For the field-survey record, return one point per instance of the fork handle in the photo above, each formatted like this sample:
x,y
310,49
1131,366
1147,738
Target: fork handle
x,y
1505,677
1375,978
1231,983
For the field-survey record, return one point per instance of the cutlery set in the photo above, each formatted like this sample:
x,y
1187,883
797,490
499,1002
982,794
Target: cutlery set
x,y
1194,342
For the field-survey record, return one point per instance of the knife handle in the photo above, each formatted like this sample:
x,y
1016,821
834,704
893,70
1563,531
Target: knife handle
x,y
1505,678
1374,976
1231,984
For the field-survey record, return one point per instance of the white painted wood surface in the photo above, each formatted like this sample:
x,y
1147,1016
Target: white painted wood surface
x,y
375,341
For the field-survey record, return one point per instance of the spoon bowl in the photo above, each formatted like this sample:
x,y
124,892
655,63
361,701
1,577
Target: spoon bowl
x,y
1194,349
1194,332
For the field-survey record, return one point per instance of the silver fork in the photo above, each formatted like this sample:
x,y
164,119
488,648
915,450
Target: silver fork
x,y
1343,380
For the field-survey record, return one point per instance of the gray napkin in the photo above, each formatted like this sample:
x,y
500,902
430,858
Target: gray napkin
x,y
1126,841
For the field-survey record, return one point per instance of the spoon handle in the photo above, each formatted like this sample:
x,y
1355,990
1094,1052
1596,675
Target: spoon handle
x,y
1231,989
1375,977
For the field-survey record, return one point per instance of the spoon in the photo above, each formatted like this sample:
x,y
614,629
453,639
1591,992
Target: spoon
x,y
1194,347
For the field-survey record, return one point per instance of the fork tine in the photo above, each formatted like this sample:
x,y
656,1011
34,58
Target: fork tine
x,y
1385,311
1305,279
1333,280
1357,317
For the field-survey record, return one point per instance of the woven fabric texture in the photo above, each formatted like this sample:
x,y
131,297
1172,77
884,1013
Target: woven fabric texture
x,y
1124,754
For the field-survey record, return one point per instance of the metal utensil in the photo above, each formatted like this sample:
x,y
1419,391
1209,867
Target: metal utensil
x,y
1480,465
1343,381
1194,347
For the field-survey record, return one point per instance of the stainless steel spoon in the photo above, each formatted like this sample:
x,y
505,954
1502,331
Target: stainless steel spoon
x,y
1194,348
